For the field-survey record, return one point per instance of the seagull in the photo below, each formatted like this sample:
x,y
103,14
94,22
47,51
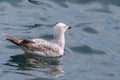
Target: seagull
x,y
42,47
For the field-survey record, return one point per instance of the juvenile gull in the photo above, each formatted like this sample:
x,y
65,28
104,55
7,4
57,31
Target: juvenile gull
x,y
43,47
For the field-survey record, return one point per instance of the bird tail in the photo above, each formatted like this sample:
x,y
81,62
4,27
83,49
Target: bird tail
x,y
13,39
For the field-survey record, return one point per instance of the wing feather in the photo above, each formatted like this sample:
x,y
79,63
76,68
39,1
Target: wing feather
x,y
43,48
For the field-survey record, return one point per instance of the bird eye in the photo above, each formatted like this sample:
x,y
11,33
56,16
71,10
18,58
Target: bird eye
x,y
65,26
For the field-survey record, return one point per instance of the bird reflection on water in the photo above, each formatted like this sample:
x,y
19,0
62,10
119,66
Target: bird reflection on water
x,y
51,66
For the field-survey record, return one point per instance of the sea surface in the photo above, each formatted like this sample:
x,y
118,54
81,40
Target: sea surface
x,y
92,50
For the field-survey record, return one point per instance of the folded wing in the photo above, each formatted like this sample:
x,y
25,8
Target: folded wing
x,y
42,47
37,46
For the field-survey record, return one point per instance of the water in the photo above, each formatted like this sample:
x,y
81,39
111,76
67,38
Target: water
x,y
92,45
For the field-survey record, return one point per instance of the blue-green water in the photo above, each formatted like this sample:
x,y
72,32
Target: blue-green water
x,y
92,49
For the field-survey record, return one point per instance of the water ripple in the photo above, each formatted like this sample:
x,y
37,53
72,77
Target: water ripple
x,y
90,30
86,50
39,3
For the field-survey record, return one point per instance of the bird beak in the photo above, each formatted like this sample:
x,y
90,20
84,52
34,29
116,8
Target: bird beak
x,y
69,27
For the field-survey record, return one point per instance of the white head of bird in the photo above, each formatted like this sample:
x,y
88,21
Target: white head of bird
x,y
59,31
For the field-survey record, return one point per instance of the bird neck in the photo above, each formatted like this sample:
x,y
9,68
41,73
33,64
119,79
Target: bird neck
x,y
59,39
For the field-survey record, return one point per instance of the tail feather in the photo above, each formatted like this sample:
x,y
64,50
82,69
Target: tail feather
x,y
13,39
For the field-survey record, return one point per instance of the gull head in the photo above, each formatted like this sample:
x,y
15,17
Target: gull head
x,y
61,28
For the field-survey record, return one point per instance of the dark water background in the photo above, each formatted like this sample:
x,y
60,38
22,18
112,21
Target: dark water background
x,y
92,45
